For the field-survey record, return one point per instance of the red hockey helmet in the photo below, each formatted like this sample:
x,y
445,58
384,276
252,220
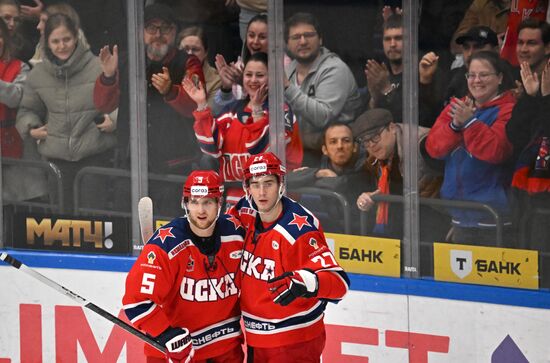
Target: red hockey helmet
x,y
203,183
264,164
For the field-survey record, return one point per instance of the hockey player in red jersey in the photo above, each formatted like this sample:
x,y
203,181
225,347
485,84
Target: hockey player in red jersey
x,y
287,273
185,278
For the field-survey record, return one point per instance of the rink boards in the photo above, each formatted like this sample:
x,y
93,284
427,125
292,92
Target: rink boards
x,y
382,319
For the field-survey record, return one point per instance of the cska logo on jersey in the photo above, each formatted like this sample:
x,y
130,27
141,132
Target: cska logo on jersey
x,y
299,221
151,258
208,289
257,267
164,233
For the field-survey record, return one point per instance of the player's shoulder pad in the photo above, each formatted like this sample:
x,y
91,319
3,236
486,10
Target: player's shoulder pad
x,y
296,220
243,208
230,225
171,235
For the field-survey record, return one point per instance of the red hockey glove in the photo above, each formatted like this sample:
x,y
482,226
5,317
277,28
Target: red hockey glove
x,y
294,284
178,344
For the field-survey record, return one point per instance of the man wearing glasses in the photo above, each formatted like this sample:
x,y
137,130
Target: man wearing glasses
x,y
384,143
320,88
171,144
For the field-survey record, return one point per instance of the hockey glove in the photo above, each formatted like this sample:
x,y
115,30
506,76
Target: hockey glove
x,y
178,344
294,284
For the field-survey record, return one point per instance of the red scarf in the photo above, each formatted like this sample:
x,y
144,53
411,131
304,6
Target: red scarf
x,y
384,187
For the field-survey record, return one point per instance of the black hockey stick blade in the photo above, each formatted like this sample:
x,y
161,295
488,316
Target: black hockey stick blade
x,y
79,299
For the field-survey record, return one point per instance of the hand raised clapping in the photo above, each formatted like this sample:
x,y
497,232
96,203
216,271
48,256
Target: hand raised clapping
x,y
258,98
195,91
545,80
378,78
461,111
162,81
530,80
109,61
230,74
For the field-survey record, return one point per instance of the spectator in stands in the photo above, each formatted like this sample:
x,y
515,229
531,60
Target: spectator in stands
x,y
244,129
11,14
470,136
57,109
503,17
18,183
533,46
193,41
13,74
490,13
232,74
529,132
340,170
59,8
320,88
384,79
171,143
218,19
437,86
383,139
248,10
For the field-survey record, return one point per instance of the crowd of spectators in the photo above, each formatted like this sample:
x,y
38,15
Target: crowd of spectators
x,y
483,133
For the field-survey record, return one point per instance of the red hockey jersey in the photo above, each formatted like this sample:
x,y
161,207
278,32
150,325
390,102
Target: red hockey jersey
x,y
172,283
295,241
235,135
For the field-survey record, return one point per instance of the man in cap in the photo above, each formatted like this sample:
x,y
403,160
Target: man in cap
x,y
287,272
171,144
438,86
183,282
384,142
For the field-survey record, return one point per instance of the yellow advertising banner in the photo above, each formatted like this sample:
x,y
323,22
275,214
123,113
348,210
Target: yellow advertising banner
x,y
486,265
366,255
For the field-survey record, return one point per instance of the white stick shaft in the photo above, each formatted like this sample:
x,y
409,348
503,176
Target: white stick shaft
x,y
145,212
79,299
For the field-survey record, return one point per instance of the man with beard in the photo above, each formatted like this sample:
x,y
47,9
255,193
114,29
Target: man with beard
x,y
183,282
320,88
383,83
171,144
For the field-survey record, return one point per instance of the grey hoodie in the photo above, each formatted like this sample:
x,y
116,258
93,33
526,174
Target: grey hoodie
x,y
327,94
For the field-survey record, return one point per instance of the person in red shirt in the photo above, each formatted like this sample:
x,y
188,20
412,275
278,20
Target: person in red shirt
x,y
242,129
287,272
183,282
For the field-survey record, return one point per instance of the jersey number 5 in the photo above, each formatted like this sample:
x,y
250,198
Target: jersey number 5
x,y
148,283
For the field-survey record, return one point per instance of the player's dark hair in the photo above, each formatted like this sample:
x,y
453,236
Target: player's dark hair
x,y
302,18
531,23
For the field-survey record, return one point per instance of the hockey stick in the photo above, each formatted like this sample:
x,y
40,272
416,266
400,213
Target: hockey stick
x,y
145,213
82,301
